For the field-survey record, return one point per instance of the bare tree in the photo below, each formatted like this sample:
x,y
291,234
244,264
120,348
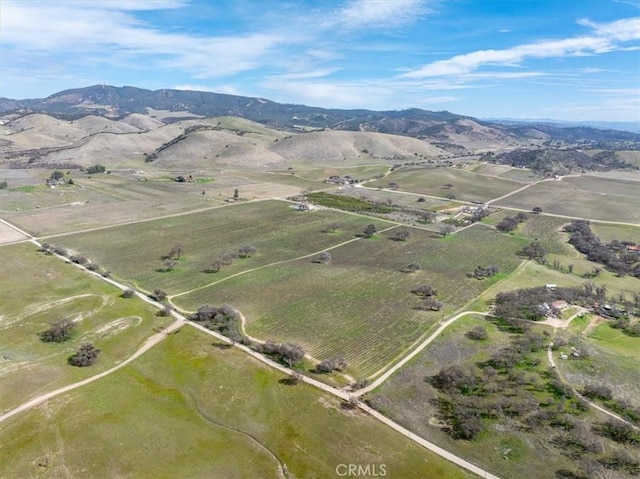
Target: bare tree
x,y
325,257
446,229
246,251
332,227
370,230
58,332
402,234
176,251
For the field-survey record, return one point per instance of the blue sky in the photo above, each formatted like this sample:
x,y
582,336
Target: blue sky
x,y
573,60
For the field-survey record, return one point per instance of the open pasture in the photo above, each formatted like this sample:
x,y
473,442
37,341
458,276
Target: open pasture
x,y
574,197
126,196
358,172
466,186
229,416
37,290
360,305
279,232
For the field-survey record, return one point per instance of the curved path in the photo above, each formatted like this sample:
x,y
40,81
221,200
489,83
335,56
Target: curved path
x,y
592,404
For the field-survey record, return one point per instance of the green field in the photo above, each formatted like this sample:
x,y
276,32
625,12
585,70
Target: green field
x,y
36,290
361,305
190,409
467,186
583,197
133,252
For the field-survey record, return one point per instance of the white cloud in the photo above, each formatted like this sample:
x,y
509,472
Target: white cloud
x,y
108,32
379,13
605,38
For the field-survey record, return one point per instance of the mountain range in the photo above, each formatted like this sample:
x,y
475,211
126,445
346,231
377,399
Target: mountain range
x,y
117,102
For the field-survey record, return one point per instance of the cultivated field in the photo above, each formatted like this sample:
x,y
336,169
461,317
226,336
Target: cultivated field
x,y
584,197
361,305
229,416
466,186
279,232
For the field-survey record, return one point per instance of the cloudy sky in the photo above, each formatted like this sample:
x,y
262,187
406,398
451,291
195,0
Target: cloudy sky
x,y
557,59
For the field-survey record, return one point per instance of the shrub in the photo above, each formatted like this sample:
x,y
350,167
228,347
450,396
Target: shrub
x,y
478,333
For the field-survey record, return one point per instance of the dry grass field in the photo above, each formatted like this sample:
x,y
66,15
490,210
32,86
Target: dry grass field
x,y
583,197
466,186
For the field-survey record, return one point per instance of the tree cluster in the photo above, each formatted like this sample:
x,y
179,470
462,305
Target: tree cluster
x,y
244,251
616,256
428,293
533,251
510,223
96,169
529,303
86,355
289,353
224,320
336,363
482,272
58,332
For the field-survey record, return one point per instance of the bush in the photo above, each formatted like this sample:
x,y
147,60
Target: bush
x,y
598,391
3,185
86,355
128,293
478,333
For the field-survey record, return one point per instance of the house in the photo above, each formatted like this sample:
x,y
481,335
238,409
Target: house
x,y
551,286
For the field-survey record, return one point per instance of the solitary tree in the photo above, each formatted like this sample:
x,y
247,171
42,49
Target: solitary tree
x,y
428,216
169,264
331,227
370,230
57,175
433,304
159,295
128,293
325,257
58,332
176,251
536,210
86,355
236,194
446,229
402,234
